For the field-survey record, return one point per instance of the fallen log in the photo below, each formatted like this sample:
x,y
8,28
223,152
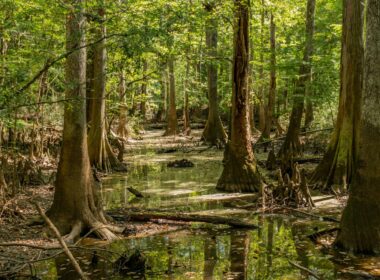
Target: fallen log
x,y
135,192
143,216
305,269
264,164
314,236
322,218
283,137
306,160
324,198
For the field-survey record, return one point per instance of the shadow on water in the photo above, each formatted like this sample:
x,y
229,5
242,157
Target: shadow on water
x,y
205,252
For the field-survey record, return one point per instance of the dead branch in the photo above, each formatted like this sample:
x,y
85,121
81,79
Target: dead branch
x,y
323,218
314,236
283,137
62,242
312,273
185,217
135,192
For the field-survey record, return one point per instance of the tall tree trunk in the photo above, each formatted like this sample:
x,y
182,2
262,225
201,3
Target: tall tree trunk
x,y
292,144
261,71
3,182
186,113
161,113
167,92
360,224
240,170
89,79
272,87
285,96
3,48
251,78
100,151
36,147
214,131
76,203
172,127
144,93
336,168
122,129
309,110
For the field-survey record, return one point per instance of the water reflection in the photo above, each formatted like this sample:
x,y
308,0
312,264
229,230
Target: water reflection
x,y
164,187
239,256
210,258
210,253
214,254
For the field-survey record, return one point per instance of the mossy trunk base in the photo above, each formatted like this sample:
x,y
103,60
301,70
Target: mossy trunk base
x,y
239,175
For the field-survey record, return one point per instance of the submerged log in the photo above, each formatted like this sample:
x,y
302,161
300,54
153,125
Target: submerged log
x,y
314,236
295,160
321,218
183,163
135,192
283,137
305,269
183,217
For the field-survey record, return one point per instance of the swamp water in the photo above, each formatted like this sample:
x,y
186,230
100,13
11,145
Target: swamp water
x,y
203,251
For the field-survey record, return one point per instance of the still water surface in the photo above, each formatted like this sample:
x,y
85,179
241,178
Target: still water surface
x,y
209,252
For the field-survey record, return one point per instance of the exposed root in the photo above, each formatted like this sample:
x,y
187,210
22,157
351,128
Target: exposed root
x,y
292,192
116,229
105,233
62,242
74,234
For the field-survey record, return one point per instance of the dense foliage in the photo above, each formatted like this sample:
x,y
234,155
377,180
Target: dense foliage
x,y
138,32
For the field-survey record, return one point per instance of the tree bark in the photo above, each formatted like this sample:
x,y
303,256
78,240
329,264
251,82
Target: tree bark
x,y
251,80
122,129
144,93
214,131
161,113
186,112
292,144
240,170
360,224
100,151
261,72
273,85
172,127
309,110
3,182
76,203
336,168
